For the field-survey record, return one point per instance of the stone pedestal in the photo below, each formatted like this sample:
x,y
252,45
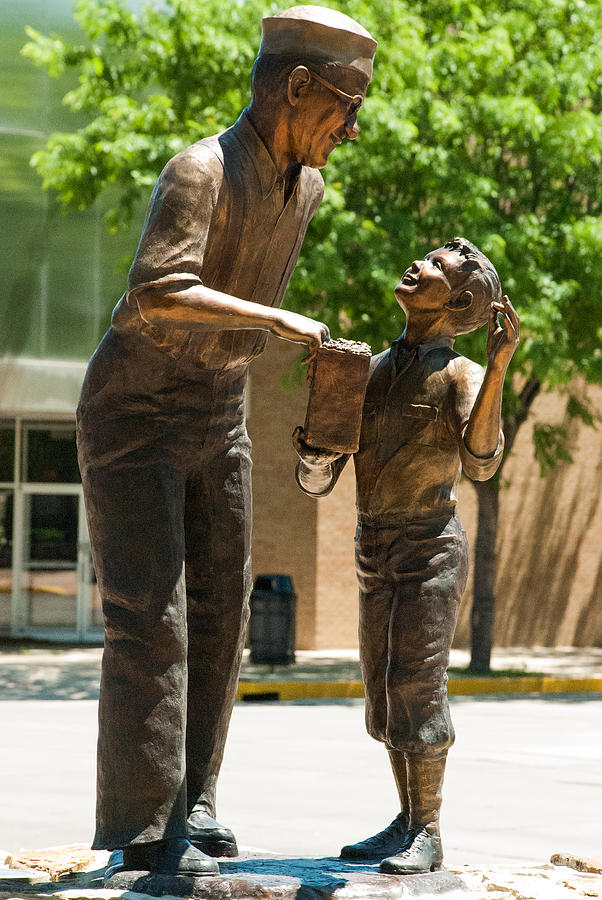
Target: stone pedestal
x,y
284,878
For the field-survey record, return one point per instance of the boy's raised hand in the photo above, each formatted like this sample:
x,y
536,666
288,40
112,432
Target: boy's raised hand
x,y
502,337
312,456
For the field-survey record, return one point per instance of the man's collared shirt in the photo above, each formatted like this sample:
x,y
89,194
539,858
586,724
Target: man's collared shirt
x,y
217,216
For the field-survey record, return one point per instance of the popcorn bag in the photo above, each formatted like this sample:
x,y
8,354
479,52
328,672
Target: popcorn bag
x,y
338,376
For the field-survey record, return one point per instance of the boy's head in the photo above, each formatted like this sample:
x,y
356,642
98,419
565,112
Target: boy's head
x,y
456,283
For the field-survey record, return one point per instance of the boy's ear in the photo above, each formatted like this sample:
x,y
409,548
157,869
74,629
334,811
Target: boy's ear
x,y
462,301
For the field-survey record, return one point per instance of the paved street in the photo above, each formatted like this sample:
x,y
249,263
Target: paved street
x,y
524,779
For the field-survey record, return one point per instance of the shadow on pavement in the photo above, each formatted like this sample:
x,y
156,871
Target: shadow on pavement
x,y
56,681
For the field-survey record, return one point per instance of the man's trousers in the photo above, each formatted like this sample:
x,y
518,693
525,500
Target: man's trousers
x,y
166,470
411,577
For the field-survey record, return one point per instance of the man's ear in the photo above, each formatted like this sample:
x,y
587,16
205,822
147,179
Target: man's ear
x,y
462,301
298,82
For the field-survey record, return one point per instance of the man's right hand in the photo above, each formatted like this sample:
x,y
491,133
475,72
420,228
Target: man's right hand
x,y
300,329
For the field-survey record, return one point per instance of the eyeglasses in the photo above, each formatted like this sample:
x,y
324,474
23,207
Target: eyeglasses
x,y
354,102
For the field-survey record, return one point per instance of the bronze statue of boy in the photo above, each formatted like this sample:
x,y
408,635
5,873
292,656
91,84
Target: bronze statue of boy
x,y
429,413
163,447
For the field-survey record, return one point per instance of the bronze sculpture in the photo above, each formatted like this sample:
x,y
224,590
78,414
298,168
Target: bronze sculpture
x,y
163,449
428,413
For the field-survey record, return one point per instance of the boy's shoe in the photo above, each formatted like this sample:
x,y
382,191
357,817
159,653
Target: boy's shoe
x,y
385,843
420,852
209,836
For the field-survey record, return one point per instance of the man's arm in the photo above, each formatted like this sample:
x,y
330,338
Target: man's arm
x,y
482,433
196,307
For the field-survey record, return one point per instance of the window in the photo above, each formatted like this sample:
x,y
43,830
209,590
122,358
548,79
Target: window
x,y
7,452
50,455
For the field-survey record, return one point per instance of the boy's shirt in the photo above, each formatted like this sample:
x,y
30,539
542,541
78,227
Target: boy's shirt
x,y
412,449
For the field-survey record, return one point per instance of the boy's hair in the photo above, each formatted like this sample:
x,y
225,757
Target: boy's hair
x,y
482,281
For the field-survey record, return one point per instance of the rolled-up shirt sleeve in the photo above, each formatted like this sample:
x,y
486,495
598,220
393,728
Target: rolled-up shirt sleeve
x,y
469,378
174,236
481,468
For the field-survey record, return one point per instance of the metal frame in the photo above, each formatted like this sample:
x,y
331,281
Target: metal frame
x,y
22,490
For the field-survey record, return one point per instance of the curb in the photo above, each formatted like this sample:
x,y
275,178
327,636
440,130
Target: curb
x,y
259,691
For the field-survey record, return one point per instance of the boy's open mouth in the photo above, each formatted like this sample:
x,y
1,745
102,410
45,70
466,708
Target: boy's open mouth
x,y
409,278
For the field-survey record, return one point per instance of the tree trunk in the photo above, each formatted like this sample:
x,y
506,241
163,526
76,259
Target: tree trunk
x,y
484,575
488,499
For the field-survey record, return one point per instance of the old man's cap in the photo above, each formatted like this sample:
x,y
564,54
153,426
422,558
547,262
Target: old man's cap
x,y
318,33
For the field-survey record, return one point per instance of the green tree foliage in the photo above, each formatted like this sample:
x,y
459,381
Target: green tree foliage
x,y
483,119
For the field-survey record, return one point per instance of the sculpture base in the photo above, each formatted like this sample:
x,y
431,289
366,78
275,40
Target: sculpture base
x,y
283,878
259,874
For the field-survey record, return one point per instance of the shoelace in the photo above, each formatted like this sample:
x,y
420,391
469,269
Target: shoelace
x,y
415,840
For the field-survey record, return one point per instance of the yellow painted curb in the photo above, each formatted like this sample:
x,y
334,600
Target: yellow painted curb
x,y
325,690
525,684
299,690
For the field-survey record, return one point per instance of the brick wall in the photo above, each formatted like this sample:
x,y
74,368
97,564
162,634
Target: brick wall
x,y
285,519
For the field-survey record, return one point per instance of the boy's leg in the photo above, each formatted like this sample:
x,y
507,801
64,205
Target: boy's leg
x,y
399,765
375,603
425,786
422,850
422,626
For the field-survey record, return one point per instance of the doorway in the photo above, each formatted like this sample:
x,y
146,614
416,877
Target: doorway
x,y
46,569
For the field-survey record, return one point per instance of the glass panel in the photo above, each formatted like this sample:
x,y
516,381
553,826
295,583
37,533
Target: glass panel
x,y
49,580
51,455
7,452
6,543
59,283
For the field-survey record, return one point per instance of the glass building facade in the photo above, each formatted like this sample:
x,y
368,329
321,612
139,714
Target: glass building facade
x,y
59,284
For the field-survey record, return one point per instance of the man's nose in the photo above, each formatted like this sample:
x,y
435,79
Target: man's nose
x,y
352,129
417,265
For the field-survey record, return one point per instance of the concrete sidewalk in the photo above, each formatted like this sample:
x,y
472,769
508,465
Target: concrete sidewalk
x,y
28,671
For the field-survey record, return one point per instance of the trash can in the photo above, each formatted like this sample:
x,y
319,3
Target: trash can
x,y
272,624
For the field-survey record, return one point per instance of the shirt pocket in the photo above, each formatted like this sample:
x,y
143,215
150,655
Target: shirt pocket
x,y
420,422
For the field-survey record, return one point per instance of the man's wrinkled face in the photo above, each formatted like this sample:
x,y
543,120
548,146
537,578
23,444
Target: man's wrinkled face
x,y
326,118
428,283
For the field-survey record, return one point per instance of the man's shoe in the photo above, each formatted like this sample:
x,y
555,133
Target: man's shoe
x,y
209,836
114,865
420,852
385,843
174,856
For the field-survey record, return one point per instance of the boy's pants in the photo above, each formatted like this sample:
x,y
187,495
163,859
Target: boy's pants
x,y
166,469
411,577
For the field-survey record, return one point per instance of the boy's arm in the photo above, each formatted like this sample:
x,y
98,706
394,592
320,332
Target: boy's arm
x,y
318,470
483,437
